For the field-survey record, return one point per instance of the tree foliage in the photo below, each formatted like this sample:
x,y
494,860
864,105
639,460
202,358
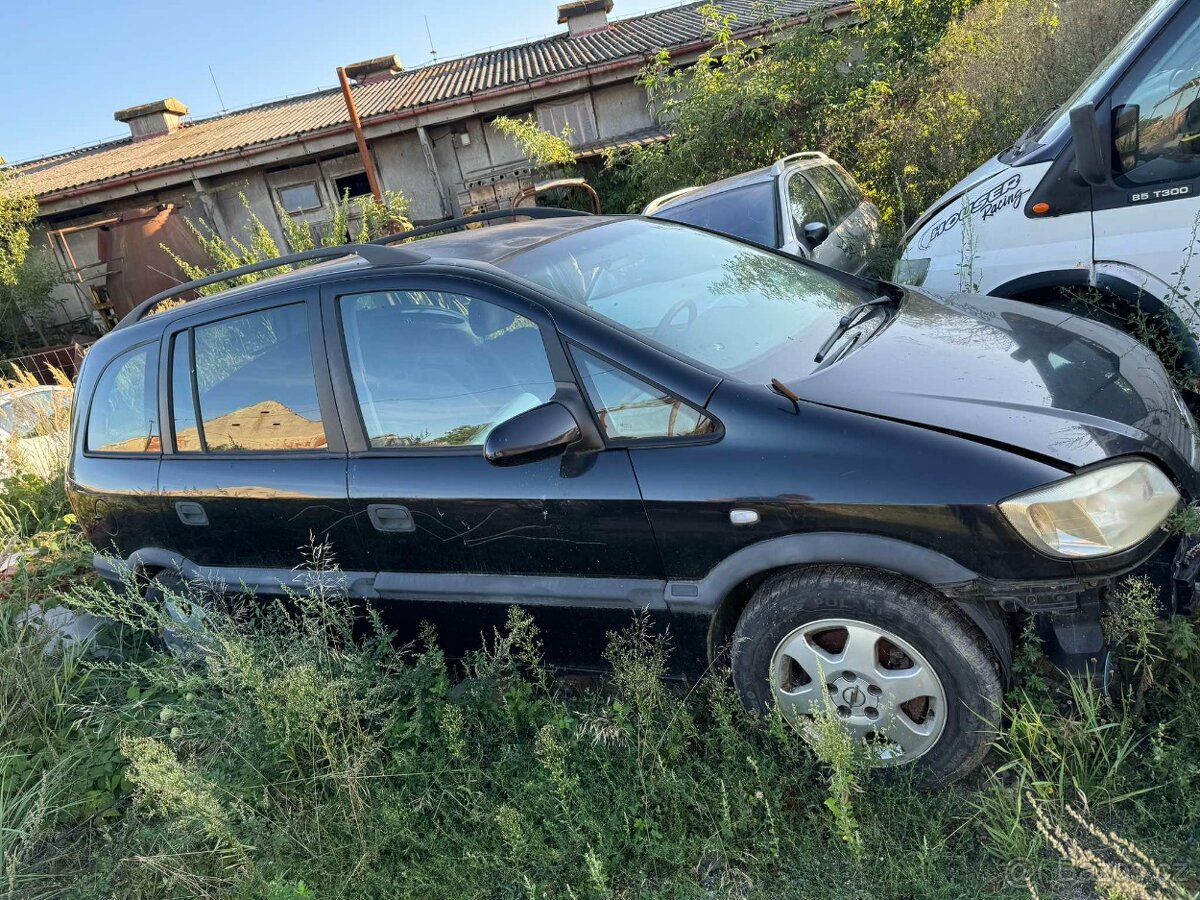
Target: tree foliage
x,y
910,95
18,211
376,219
542,148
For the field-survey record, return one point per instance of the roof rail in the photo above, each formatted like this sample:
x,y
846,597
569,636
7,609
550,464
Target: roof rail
x,y
530,212
780,164
372,253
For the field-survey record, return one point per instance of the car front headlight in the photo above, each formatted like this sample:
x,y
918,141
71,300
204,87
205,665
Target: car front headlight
x,y
1104,511
911,271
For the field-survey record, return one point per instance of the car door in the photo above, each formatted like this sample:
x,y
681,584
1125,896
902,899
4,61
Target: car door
x,y
254,476
424,367
1145,219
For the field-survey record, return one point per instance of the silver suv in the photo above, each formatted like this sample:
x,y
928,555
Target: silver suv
x,y
804,204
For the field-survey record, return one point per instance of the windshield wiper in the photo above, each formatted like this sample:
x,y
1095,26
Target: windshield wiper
x,y
846,322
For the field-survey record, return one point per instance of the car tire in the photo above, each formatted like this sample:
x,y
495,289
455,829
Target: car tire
x,y
897,638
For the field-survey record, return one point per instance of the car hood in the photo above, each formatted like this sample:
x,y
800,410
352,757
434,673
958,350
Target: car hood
x,y
1037,380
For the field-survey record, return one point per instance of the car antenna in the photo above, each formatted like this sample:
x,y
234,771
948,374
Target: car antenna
x,y
784,391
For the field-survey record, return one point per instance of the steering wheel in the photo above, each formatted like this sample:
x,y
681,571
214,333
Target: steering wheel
x,y
686,303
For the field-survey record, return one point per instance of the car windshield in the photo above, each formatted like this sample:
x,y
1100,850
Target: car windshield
x,y
749,313
1057,119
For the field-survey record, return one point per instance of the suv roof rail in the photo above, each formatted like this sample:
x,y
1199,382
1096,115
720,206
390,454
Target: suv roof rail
x,y
780,164
531,212
372,253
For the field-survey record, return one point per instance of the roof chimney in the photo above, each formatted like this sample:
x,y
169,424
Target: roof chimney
x,y
585,16
152,119
369,71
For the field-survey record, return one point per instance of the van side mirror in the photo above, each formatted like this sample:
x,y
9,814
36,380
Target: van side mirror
x,y
815,233
536,434
1091,158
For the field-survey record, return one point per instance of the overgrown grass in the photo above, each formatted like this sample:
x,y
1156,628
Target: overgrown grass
x,y
287,755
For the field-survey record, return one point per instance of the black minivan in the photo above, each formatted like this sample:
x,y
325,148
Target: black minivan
x,y
859,490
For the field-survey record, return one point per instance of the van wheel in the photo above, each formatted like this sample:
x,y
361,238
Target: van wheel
x,y
182,619
905,671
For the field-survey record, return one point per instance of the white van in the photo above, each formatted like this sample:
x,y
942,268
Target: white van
x,y
1103,192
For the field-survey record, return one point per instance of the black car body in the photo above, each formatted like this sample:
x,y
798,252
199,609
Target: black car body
x,y
722,505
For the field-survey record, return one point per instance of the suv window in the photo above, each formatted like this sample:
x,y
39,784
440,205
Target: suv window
x,y
831,189
255,385
1156,113
440,370
124,414
629,408
745,212
804,204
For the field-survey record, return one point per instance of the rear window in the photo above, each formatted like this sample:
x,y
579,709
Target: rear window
x,y
746,212
124,414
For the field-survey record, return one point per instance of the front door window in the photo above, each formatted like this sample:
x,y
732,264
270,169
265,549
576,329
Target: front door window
x,y
1156,114
433,369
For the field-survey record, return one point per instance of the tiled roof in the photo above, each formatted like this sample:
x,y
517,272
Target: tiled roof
x,y
455,80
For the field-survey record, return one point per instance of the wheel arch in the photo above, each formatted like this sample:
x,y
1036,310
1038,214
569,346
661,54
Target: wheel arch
x,y
728,588
1134,297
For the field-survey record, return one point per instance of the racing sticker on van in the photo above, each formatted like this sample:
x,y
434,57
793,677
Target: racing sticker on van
x,y
1006,195
1172,193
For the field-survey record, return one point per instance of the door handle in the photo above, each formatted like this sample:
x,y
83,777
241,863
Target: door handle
x,y
386,517
191,513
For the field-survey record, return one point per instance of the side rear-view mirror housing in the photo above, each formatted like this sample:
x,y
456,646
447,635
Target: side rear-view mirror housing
x,y
1091,158
539,433
816,233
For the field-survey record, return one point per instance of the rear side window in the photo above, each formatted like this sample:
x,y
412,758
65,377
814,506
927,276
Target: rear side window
x,y
746,212
124,414
255,385
631,409
831,189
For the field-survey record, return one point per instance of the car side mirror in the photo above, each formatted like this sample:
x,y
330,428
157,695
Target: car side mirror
x,y
815,233
1091,160
536,434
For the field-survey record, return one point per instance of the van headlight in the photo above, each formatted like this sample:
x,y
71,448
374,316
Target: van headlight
x,y
911,271
1097,513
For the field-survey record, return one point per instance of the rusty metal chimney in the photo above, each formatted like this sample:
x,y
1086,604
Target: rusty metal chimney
x,y
152,119
584,16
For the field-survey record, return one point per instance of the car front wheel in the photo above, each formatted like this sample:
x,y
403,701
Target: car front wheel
x,y
901,667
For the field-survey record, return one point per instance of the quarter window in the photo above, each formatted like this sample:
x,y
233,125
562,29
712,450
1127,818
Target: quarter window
x,y
1156,114
831,189
255,384
433,369
124,413
630,409
183,403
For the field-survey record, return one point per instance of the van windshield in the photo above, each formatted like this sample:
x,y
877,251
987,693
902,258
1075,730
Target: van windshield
x,y
1058,120
750,313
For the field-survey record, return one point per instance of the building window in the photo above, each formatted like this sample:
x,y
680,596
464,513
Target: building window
x,y
298,198
575,114
357,184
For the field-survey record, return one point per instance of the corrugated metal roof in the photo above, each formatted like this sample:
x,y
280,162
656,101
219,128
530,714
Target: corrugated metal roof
x,y
444,82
